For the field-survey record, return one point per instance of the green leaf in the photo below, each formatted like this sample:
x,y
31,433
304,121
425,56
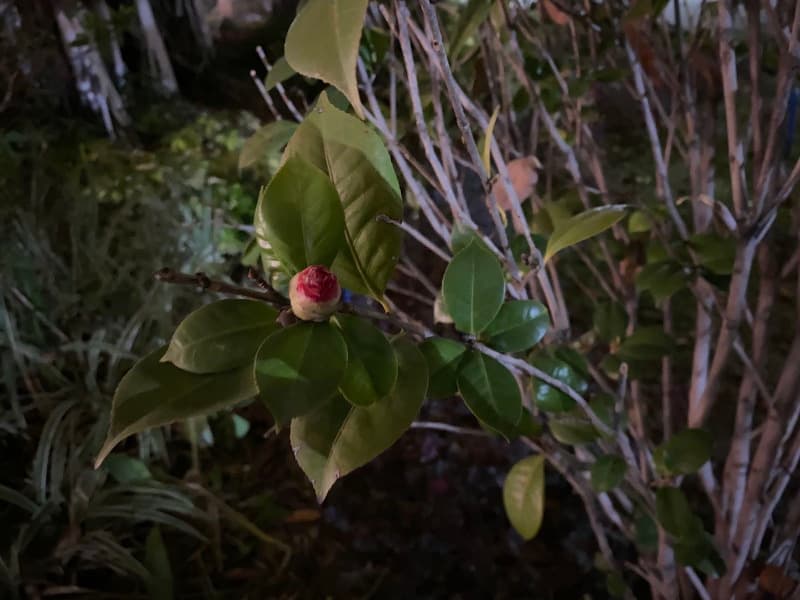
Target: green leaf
x,y
371,371
582,227
699,551
374,47
639,222
662,279
221,336
125,469
645,344
603,406
572,429
490,392
338,437
528,426
280,72
443,357
610,321
264,142
470,19
299,215
160,584
359,166
685,452
155,393
607,472
523,496
520,325
298,368
714,252
323,41
461,236
549,398
674,514
646,533
473,288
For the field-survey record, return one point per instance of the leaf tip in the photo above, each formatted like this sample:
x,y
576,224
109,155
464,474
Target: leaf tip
x,y
108,446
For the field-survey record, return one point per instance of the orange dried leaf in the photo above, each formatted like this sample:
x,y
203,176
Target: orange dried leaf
x,y
523,175
302,515
558,16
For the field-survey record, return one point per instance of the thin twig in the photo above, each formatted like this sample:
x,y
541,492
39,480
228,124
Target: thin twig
x,y
436,426
417,236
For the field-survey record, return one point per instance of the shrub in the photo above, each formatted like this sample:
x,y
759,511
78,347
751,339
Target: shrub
x,y
606,267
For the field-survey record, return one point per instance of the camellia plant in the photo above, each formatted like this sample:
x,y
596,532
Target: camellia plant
x,y
602,334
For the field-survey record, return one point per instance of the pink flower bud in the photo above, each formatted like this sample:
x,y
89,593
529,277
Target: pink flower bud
x,y
314,293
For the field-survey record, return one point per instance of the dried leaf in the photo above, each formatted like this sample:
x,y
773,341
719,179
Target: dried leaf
x,y
302,515
557,16
523,175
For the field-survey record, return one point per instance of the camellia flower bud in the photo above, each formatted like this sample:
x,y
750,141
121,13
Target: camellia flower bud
x,y
314,293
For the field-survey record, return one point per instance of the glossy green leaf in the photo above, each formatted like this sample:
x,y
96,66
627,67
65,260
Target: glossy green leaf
x,y
264,142
124,468
582,227
461,236
662,279
572,429
520,325
523,496
300,217
528,426
338,437
221,336
610,321
323,41
443,357
674,513
299,368
155,393
490,392
549,398
371,370
359,166
280,72
645,344
473,288
685,452
608,471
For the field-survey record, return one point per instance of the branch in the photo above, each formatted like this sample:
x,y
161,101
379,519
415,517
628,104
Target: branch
x,y
202,281
462,122
273,297
436,426
655,143
727,59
